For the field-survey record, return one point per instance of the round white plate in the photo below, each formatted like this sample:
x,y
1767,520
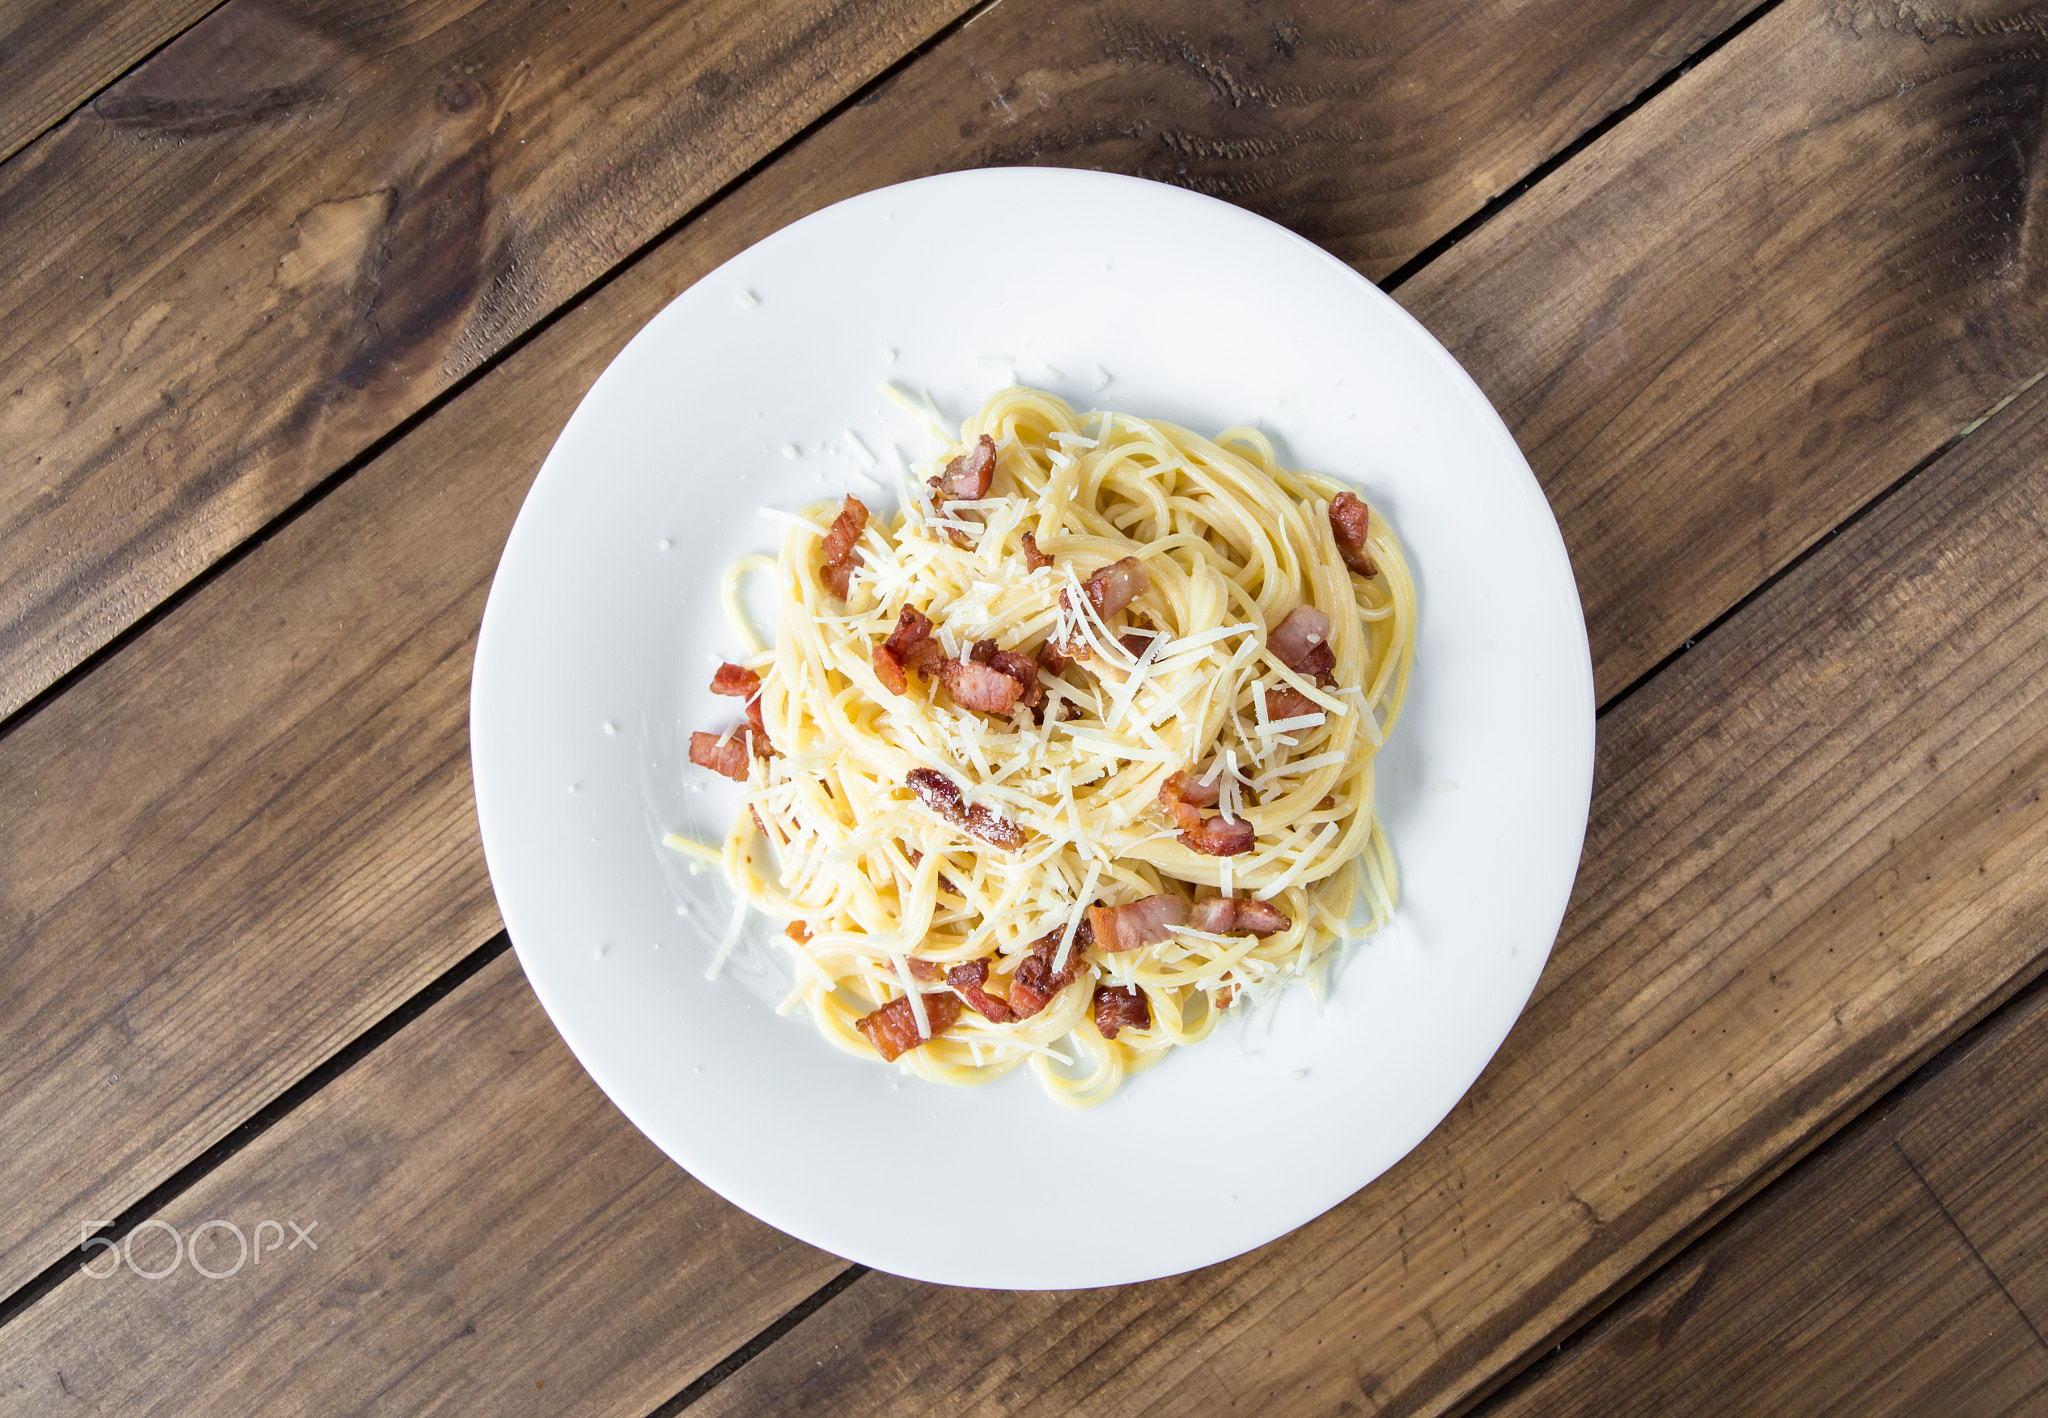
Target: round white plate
x,y
604,626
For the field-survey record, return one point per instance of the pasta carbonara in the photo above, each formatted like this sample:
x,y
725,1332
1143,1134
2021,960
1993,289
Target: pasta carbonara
x,y
1073,754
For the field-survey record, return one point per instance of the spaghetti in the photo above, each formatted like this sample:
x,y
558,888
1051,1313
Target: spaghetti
x,y
1073,753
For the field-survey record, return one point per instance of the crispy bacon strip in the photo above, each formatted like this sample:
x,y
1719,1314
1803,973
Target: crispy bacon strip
x,y
1146,921
968,979
1225,915
841,556
913,628
1034,559
1183,798
942,795
1217,837
741,683
1185,786
978,686
1261,918
1021,668
1298,634
967,477
1117,585
1285,702
889,669
1119,1009
728,757
735,680
1034,984
909,647
892,1029
1350,524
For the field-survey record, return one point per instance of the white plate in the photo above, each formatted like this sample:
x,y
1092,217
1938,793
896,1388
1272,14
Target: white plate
x,y
604,625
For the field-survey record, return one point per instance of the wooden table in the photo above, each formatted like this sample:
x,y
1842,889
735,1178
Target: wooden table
x,y
294,296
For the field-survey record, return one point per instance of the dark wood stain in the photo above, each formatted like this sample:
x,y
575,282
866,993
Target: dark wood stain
x,y
56,54
244,63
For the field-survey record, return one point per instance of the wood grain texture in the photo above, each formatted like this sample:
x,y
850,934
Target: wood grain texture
x,y
1818,850
1977,1140
1890,1274
56,54
251,834
182,730
245,838
493,1238
1830,224
265,248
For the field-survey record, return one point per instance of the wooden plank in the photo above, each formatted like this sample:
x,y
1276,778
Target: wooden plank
x,y
56,54
1976,1138
1891,1273
1829,223
493,1237
269,245
246,837
1818,850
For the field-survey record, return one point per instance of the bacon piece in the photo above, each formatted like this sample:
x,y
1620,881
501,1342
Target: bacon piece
x,y
1217,837
994,829
841,556
1225,915
1183,798
728,756
1214,914
913,628
798,932
889,669
736,680
1034,984
1285,702
968,979
967,477
1120,1009
1135,643
1117,585
909,647
741,683
1146,921
1034,559
925,970
1350,523
1190,789
1318,665
1261,918
1050,657
892,1029
977,686
1021,668
942,795
1303,629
